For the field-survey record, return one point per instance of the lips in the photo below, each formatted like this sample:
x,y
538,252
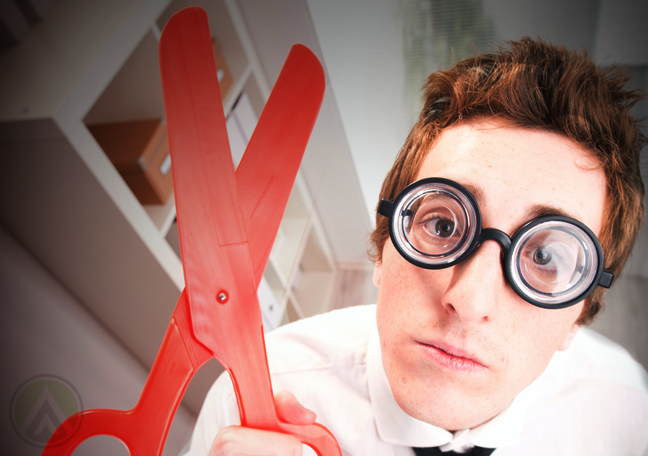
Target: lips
x,y
450,357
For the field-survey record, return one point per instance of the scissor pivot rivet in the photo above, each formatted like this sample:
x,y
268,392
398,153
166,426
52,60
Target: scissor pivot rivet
x,y
222,297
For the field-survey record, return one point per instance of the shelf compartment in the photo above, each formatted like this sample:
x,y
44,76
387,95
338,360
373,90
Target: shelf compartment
x,y
135,93
139,150
162,215
251,88
286,252
293,311
313,285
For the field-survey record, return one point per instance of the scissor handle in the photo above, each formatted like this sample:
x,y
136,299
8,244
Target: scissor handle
x,y
87,424
119,424
256,404
144,428
248,370
315,436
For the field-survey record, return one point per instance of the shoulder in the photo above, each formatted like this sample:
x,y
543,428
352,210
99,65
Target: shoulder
x,y
322,341
601,371
323,360
592,399
593,356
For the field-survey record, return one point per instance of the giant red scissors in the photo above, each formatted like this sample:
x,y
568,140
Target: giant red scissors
x,y
227,222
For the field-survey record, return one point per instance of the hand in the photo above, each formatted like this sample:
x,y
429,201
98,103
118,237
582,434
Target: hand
x,y
237,440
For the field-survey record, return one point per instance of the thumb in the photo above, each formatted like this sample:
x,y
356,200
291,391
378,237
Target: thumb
x,y
291,411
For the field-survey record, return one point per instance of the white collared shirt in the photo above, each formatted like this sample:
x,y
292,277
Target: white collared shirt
x,y
591,400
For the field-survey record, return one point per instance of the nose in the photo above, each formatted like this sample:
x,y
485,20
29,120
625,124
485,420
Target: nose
x,y
477,285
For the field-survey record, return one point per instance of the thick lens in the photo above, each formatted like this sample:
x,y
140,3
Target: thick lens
x,y
555,262
436,223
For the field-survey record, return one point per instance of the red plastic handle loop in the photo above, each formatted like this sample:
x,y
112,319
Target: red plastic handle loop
x,y
144,428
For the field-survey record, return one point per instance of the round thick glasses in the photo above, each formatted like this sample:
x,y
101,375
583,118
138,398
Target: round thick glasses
x,y
551,262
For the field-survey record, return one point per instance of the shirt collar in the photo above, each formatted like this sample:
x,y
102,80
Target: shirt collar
x,y
397,427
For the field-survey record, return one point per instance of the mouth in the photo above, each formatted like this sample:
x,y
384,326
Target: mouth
x,y
451,358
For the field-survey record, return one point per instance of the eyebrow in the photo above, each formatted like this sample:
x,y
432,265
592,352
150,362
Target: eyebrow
x,y
476,191
535,211
540,210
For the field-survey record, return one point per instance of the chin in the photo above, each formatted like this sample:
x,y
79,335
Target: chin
x,y
446,406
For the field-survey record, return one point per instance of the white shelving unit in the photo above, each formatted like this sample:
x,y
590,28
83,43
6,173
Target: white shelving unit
x,y
61,196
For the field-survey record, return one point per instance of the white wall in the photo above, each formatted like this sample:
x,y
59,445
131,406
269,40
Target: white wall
x,y
362,50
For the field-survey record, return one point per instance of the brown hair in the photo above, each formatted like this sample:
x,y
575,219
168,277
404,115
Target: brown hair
x,y
540,86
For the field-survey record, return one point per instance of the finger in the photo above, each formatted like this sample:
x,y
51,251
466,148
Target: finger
x,y
237,440
291,411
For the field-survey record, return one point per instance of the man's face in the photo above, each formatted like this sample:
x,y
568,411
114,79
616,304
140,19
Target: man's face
x,y
458,344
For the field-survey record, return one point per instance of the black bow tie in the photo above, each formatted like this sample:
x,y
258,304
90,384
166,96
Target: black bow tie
x,y
435,451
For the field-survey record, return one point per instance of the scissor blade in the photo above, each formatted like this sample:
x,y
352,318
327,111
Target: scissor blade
x,y
197,129
219,278
210,220
269,167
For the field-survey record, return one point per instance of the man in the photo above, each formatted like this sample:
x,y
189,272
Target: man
x,y
488,263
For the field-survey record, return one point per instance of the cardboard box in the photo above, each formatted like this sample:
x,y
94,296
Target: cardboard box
x,y
139,150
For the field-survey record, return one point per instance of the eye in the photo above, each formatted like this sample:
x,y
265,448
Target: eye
x,y
547,260
440,227
437,225
552,259
541,257
550,262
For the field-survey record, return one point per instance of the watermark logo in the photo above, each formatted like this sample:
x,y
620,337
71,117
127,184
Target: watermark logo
x,y
40,405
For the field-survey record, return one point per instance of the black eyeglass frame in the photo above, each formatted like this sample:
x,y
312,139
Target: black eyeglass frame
x,y
602,278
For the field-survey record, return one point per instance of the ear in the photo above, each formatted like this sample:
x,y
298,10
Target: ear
x,y
377,274
564,345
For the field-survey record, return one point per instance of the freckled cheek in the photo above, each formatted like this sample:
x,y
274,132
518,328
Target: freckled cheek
x,y
537,335
407,289
405,296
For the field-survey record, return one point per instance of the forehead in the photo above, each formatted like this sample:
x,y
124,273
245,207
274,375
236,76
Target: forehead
x,y
515,169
